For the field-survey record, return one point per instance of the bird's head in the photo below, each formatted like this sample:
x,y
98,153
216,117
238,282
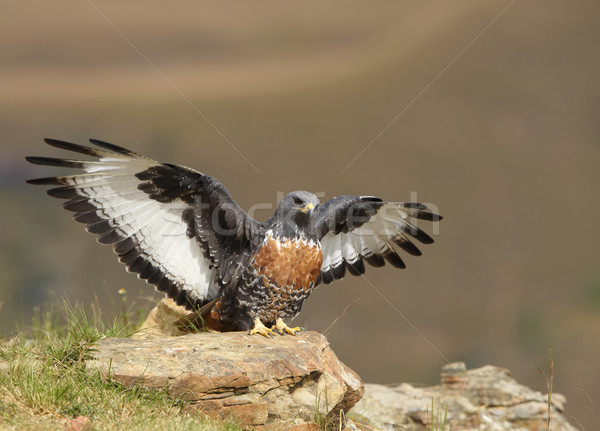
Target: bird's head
x,y
295,209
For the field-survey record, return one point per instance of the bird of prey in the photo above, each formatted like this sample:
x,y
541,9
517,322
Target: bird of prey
x,y
181,231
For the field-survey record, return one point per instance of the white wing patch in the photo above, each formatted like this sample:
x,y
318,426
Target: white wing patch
x,y
372,241
159,247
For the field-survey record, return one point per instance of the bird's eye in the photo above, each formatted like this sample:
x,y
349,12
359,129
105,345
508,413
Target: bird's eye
x,y
298,201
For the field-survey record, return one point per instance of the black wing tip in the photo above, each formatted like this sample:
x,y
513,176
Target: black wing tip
x,y
375,260
429,216
418,234
63,193
58,143
76,148
36,160
423,211
112,147
47,181
326,277
410,248
53,161
415,206
356,268
339,271
36,181
394,259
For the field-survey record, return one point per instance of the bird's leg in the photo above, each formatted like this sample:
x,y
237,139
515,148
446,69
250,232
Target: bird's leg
x,y
285,329
261,329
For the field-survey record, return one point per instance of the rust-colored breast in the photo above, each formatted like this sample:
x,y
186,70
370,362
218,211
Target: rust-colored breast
x,y
289,262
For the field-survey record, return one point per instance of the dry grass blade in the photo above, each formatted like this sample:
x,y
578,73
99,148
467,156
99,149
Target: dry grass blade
x,y
326,332
549,384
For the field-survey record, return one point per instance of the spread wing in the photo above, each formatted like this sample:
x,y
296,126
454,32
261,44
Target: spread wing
x,y
355,229
174,227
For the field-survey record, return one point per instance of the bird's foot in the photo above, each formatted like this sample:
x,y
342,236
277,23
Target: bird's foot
x,y
261,329
285,329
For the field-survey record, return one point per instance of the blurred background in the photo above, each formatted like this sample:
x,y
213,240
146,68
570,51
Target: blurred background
x,y
489,110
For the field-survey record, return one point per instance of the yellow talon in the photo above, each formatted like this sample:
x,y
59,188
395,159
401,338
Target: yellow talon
x,y
261,329
285,329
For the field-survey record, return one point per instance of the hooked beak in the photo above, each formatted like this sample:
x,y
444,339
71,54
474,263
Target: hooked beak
x,y
308,208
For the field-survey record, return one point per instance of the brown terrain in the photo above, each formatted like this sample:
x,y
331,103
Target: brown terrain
x,y
488,110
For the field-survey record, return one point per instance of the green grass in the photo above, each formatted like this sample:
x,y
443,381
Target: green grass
x,y
438,421
44,383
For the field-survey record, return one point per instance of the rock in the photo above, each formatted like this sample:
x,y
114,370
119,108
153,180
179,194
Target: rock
x,y
279,382
159,322
484,398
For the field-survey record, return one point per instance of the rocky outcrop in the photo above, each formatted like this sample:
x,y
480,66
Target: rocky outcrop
x,y
287,382
484,398
278,382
